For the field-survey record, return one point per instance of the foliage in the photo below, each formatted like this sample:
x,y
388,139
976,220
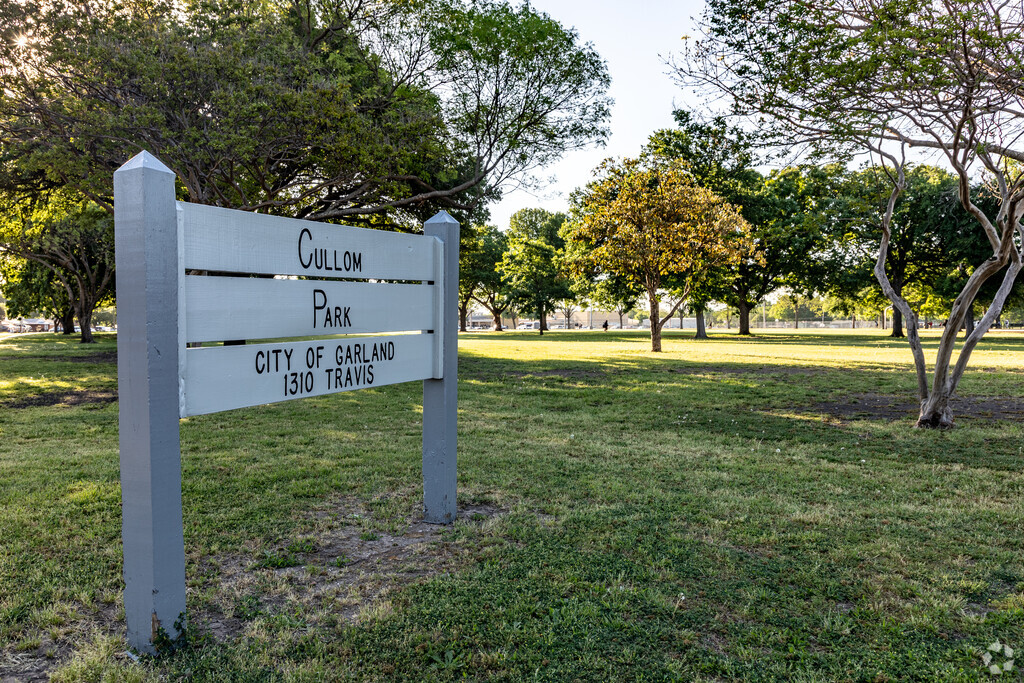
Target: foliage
x,y
649,223
72,239
335,109
32,289
782,238
531,265
927,227
492,291
882,78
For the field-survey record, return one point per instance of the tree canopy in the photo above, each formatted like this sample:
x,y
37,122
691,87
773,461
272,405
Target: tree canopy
x,y
382,112
647,221
531,266
72,239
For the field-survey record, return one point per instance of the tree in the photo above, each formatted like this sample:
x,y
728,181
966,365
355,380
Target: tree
x,y
616,293
378,112
472,268
645,220
530,265
567,307
32,288
71,238
926,229
722,157
883,78
490,289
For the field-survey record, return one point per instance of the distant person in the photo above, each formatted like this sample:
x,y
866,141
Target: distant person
x,y
605,326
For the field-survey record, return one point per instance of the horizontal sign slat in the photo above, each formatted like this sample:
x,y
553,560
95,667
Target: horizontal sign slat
x,y
229,377
225,308
224,240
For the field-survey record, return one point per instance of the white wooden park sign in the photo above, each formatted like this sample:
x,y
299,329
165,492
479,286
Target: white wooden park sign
x,y
263,278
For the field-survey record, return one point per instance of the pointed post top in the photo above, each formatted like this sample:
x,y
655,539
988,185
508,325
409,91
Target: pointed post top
x,y
144,160
442,217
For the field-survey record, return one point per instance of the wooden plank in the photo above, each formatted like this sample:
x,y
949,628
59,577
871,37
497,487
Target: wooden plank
x,y
227,377
226,240
222,308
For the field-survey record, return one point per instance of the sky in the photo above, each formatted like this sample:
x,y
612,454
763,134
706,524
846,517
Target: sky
x,y
634,37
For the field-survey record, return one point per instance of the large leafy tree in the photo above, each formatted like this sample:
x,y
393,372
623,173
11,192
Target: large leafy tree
x,y
481,251
333,109
647,221
782,243
492,292
72,239
884,77
32,288
532,263
926,230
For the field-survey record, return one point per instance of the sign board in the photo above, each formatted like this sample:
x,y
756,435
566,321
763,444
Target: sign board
x,y
221,309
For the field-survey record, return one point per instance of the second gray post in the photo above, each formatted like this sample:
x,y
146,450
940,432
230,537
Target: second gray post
x,y
440,396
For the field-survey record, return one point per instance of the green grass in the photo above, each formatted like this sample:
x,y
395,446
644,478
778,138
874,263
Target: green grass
x,y
692,515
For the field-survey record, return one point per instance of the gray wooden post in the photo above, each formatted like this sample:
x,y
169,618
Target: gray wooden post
x,y
440,396
147,253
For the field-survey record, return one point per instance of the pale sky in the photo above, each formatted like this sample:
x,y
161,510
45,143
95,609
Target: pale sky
x,y
633,38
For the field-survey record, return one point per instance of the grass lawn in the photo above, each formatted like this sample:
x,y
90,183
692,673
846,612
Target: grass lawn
x,y
755,509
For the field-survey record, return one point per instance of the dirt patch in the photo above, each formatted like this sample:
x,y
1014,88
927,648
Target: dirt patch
x,y
61,398
570,373
764,370
36,664
343,572
888,407
26,667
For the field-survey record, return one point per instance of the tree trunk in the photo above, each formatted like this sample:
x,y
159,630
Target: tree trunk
x,y
463,315
702,333
853,320
543,321
496,321
67,320
897,323
655,324
744,310
969,321
622,325
796,313
84,315
935,412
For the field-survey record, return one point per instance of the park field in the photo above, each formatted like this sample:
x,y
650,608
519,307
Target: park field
x,y
730,509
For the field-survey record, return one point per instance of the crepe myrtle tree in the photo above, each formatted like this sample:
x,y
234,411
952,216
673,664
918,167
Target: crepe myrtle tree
x,y
646,221
887,78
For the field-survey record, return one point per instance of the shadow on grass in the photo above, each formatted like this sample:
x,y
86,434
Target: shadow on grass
x,y
670,519
993,341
